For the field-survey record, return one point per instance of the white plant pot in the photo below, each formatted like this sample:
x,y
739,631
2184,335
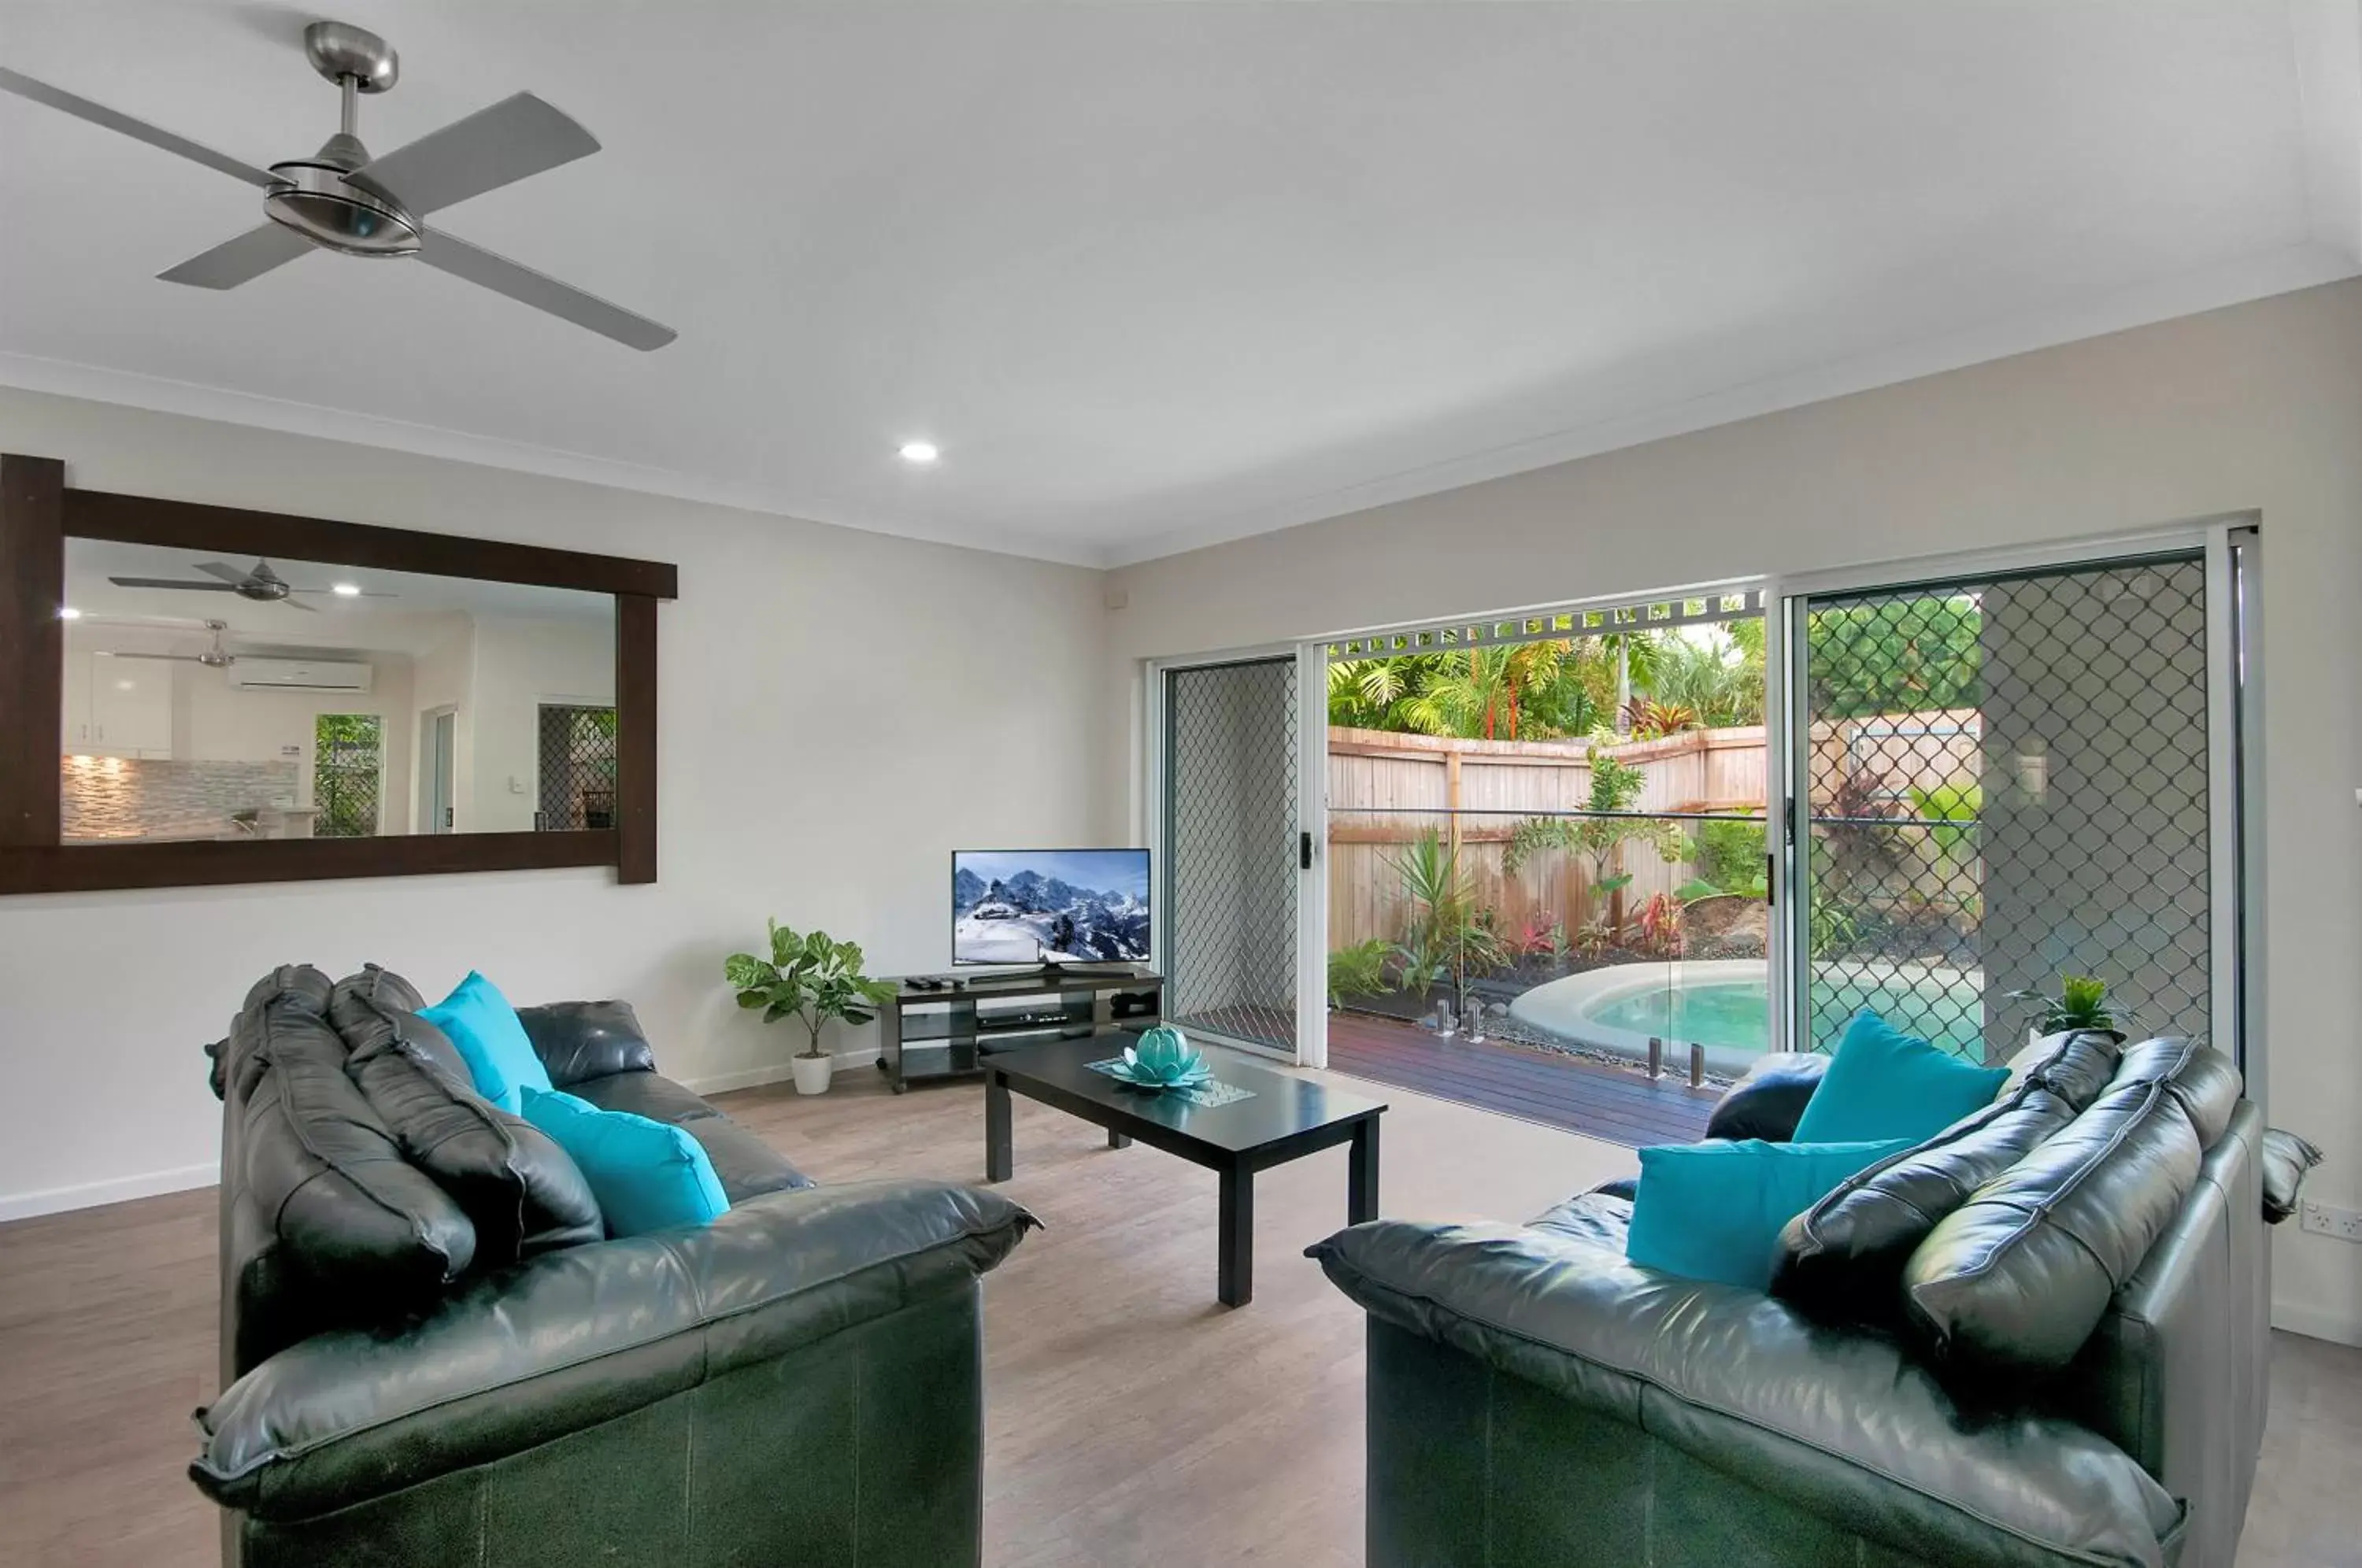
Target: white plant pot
x,y
812,1073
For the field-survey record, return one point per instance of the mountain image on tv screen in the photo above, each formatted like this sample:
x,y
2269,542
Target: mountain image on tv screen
x,y
1029,906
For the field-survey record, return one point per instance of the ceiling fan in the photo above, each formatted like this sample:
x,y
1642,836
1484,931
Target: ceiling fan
x,y
259,584
217,657
342,199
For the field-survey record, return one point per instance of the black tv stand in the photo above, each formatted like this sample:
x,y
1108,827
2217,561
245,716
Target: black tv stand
x,y
943,1029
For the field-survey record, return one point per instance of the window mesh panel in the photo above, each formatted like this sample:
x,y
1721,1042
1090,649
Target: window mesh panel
x,y
2008,782
1230,849
347,775
578,769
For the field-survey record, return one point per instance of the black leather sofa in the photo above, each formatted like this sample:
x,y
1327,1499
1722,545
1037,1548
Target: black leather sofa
x,y
1535,1398
428,1356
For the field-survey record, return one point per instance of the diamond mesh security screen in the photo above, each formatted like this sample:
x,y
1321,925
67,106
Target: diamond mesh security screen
x,y
2008,782
1230,849
578,769
347,774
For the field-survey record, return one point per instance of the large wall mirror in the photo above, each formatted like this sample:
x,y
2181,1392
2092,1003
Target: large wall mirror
x,y
236,696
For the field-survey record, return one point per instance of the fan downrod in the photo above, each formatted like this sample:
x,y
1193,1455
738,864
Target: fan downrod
x,y
342,52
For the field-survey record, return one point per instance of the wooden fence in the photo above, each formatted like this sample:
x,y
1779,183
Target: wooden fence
x,y
1385,789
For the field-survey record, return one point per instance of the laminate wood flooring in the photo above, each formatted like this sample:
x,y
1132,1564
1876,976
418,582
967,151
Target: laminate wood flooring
x,y
1130,1419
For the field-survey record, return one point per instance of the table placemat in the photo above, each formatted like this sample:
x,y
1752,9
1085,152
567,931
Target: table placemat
x,y
1209,1093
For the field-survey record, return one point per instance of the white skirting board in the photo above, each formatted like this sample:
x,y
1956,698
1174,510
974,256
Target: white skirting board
x,y
90,1195
2316,1324
773,1073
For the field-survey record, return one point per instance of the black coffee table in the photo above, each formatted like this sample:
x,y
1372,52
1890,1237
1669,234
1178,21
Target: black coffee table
x,y
1288,1117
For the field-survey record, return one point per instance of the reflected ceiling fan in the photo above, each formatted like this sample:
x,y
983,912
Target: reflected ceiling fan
x,y
341,199
260,583
217,656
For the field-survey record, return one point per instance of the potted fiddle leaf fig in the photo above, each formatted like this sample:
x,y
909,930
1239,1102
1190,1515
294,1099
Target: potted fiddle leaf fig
x,y
812,978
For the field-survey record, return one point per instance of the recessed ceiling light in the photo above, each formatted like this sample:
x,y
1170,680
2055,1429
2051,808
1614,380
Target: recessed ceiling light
x,y
347,589
919,452
68,612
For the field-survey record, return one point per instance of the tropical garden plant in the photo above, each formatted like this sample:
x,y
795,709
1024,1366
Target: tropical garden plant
x,y
1660,925
811,977
1716,672
1912,654
1729,856
1647,719
1358,970
1449,937
1952,809
1600,838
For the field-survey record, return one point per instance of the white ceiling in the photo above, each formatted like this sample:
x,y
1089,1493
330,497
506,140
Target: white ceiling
x,y
414,613
1156,274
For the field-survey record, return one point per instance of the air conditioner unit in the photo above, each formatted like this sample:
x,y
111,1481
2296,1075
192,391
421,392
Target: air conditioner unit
x,y
298,675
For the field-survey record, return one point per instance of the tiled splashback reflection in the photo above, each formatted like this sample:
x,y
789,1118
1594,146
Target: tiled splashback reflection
x,y
114,797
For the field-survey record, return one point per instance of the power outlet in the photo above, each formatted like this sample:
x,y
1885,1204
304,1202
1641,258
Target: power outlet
x,y
2327,1219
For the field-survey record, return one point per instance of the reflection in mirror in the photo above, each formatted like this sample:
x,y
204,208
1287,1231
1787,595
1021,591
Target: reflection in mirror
x,y
211,696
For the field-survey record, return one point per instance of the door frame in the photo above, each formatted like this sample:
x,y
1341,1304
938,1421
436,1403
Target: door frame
x,y
1312,826
2234,772
430,720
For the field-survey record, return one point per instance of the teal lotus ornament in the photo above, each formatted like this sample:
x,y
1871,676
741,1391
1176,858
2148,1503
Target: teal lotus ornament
x,y
1163,1060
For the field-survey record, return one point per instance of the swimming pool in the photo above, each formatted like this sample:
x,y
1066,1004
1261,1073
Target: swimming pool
x,y
1722,1004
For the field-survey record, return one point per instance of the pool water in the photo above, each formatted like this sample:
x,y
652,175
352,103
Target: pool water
x,y
1738,1013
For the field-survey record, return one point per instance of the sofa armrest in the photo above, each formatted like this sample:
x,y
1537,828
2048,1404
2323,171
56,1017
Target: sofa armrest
x,y
578,1337
1842,1424
2286,1159
1770,1099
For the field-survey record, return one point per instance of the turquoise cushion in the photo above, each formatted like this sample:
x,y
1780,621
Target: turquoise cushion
x,y
645,1175
484,1027
1714,1211
1884,1083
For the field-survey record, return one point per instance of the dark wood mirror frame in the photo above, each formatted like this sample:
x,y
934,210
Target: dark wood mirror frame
x,y
38,513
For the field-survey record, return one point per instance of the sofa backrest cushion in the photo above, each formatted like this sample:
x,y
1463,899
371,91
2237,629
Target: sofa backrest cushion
x,y
1770,1099
364,1006
581,1039
334,1216
2075,1066
1842,1259
2009,1285
518,1188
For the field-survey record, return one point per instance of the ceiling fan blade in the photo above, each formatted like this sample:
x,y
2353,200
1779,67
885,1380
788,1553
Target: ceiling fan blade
x,y
174,657
526,286
293,605
515,138
365,593
138,130
172,582
225,571
240,260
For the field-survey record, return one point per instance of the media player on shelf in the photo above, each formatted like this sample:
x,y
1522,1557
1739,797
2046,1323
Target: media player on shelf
x,y
1051,909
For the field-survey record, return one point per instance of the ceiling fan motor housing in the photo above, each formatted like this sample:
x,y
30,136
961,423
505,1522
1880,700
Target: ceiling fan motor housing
x,y
317,197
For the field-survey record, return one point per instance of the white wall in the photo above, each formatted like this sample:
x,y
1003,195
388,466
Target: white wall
x,y
795,669
2258,406
443,677
213,721
523,662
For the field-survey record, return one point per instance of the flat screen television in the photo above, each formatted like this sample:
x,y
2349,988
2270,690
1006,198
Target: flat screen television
x,y
1050,906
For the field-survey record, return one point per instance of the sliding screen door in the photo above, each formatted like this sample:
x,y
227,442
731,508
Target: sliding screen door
x,y
1235,866
2001,780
